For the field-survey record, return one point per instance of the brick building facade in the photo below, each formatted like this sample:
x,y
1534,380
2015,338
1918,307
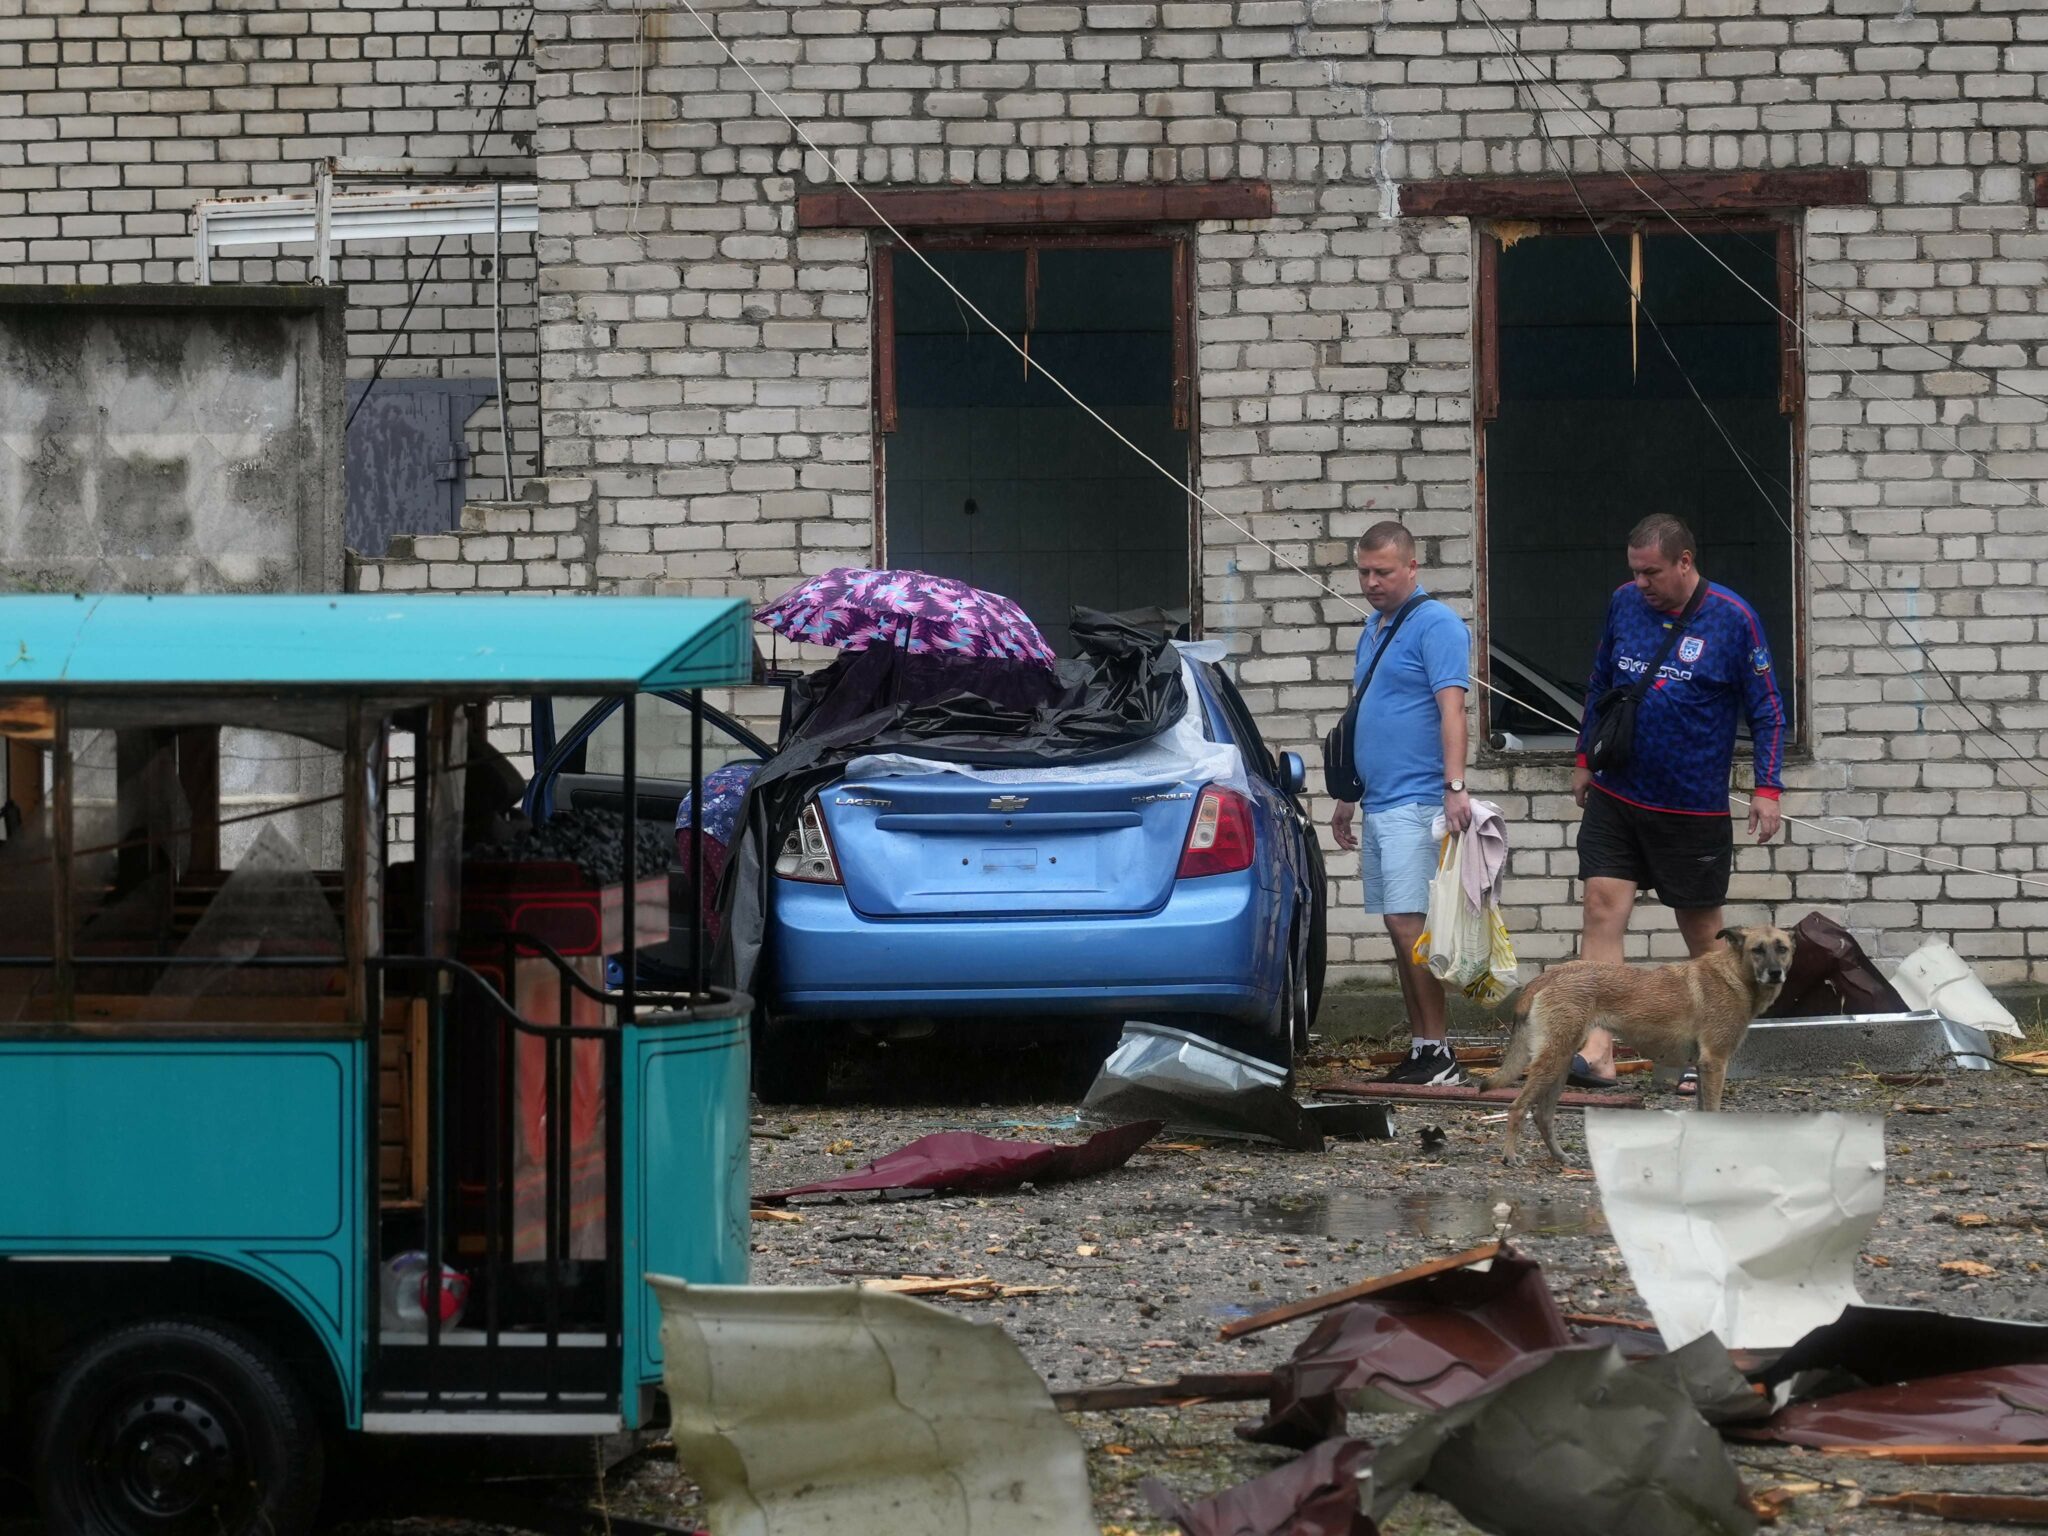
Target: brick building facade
x,y
117,116
1380,297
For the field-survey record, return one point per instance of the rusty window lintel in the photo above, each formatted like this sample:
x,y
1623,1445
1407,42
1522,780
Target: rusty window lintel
x,y
1027,207
1536,197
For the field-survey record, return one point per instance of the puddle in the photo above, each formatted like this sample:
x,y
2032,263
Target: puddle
x,y
1354,1214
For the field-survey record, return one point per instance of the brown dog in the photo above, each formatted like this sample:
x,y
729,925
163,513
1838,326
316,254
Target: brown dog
x,y
1671,1013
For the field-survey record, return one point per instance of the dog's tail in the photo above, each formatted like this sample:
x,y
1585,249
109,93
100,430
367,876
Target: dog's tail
x,y
1514,1061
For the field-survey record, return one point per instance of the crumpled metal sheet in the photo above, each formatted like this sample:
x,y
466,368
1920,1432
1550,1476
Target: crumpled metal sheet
x,y
967,1162
2002,1405
1197,1088
1873,1346
1316,1494
1430,1343
1746,1226
1575,1440
840,1411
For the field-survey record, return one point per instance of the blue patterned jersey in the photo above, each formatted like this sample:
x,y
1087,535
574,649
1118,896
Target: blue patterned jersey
x,y
1685,726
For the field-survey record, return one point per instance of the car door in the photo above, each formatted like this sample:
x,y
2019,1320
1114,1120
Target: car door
x,y
1293,831
584,769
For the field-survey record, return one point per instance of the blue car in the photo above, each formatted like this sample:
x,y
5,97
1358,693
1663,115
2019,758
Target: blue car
x,y
905,903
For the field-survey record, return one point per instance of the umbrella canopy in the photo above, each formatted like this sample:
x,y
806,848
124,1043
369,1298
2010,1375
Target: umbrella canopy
x,y
852,608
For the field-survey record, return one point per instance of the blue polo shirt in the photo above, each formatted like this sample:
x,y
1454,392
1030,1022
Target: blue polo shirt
x,y
1400,742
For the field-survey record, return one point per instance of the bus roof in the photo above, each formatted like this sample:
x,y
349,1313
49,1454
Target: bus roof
x,y
373,643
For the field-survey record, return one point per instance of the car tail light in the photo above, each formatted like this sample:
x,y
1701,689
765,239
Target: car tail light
x,y
1220,837
807,851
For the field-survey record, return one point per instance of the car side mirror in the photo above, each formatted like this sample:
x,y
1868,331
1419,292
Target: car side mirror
x,y
1293,773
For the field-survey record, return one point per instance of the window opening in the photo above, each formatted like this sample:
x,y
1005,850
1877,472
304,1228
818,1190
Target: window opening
x,y
991,476
1592,427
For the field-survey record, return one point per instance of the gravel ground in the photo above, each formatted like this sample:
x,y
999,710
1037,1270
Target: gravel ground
x,y
1149,1260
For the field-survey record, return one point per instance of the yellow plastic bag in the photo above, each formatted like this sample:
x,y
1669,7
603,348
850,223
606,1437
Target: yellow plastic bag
x,y
1465,946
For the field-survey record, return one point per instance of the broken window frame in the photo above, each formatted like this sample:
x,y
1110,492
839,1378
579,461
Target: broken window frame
x,y
1786,229
1187,412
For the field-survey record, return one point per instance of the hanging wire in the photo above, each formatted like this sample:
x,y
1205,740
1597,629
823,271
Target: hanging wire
x,y
1061,385
1563,161
1840,296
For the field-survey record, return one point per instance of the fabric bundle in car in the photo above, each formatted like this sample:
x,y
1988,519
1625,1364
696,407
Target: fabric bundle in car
x,y
1124,688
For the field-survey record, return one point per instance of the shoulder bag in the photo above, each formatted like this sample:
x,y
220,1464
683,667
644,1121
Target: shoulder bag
x,y
1340,747
1613,740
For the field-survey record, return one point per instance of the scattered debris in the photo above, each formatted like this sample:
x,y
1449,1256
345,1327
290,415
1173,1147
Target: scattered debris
x,y
1830,976
1911,1041
966,1161
1943,1455
1989,1508
1575,1440
2001,1405
1935,976
1875,1345
1742,1225
1433,1138
1968,1267
1198,1088
1767,1503
783,1397
1350,1122
1465,1093
956,1287
1310,1306
760,1213
1429,1342
1181,1392
1314,1495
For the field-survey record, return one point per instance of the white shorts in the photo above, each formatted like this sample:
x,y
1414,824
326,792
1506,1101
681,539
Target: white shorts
x,y
1398,857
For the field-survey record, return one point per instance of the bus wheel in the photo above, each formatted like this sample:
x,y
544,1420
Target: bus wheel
x,y
176,1428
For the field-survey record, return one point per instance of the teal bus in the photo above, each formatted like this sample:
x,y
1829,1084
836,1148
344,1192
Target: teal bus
x,y
323,1112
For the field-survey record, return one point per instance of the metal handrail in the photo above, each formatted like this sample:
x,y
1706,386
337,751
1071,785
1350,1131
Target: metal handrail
x,y
708,1002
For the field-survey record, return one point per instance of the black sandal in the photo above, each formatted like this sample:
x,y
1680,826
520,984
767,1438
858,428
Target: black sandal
x,y
1688,1084
1583,1076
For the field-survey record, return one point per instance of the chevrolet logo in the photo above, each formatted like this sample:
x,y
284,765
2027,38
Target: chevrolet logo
x,y
1009,802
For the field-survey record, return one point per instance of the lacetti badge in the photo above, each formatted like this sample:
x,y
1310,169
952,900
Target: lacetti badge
x,y
1009,802
1689,649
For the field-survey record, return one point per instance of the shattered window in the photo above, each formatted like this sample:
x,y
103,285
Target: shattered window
x,y
206,877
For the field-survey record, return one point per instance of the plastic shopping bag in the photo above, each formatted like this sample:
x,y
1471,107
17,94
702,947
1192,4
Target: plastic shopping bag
x,y
1465,946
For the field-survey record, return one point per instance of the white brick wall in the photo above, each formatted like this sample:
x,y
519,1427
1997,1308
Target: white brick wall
x,y
116,116
706,364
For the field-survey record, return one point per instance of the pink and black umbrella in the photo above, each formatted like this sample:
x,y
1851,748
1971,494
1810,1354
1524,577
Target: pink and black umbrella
x,y
852,608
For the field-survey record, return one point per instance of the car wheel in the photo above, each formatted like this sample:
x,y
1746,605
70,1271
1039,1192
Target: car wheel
x,y
178,1428
792,1065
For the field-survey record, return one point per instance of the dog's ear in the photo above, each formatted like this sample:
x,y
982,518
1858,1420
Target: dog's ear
x,y
1732,936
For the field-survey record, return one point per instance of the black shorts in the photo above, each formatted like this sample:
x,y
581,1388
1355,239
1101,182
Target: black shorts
x,y
1686,859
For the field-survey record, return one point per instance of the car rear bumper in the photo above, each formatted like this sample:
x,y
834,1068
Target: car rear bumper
x,y
1201,952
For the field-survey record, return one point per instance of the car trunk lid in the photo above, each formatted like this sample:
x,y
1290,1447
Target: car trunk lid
x,y
949,846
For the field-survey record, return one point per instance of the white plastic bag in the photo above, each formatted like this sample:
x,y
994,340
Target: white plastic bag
x,y
1462,945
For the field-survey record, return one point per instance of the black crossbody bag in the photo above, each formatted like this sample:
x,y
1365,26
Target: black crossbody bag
x,y
1613,741
1340,747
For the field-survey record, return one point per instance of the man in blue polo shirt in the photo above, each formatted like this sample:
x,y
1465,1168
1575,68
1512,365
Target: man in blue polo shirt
x,y
1662,820
1411,758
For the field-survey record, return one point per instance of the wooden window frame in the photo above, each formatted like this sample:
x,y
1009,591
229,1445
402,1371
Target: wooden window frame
x,y
1787,229
1179,241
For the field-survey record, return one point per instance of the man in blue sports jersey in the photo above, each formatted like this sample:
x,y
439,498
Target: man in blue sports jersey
x,y
1410,747
1662,821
